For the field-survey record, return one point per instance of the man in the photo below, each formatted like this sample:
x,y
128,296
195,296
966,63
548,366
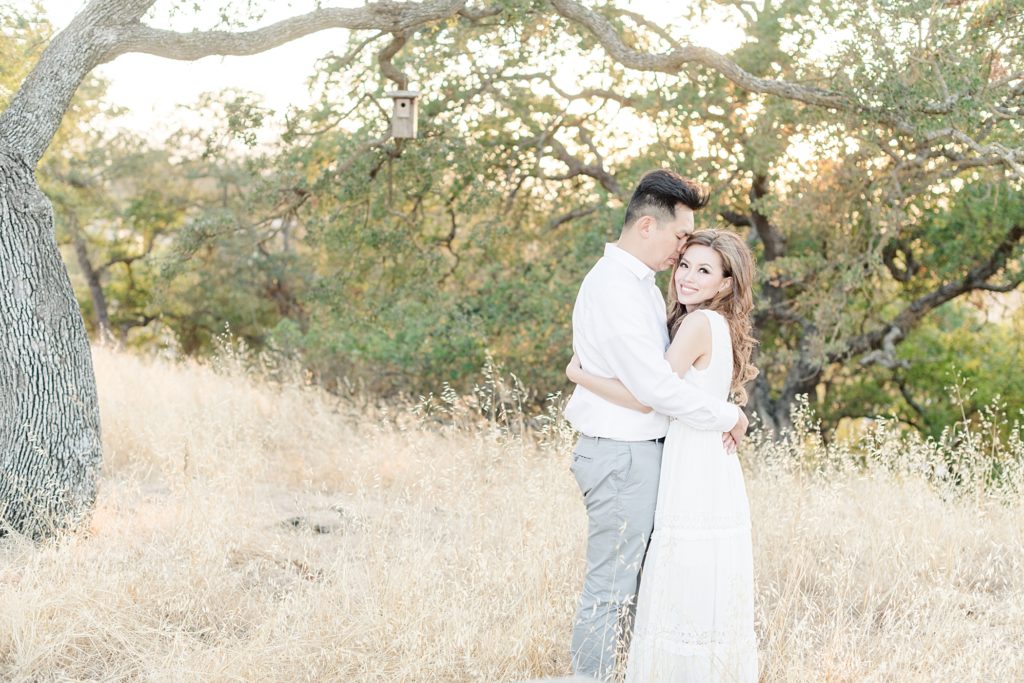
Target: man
x,y
619,330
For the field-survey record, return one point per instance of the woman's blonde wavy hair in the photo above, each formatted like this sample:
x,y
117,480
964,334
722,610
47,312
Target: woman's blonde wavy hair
x,y
735,304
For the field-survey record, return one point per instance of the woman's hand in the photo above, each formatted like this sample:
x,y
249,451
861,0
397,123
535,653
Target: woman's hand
x,y
574,369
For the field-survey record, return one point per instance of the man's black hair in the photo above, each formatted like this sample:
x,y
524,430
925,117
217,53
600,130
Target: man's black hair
x,y
660,191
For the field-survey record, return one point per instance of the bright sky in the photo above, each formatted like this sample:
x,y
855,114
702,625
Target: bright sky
x,y
152,88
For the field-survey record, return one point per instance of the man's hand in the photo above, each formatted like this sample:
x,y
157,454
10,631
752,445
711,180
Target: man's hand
x,y
731,439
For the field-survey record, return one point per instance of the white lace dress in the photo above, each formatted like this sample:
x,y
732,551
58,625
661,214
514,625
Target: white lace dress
x,y
695,610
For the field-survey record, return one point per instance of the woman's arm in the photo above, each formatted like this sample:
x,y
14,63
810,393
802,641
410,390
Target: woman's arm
x,y
607,388
691,344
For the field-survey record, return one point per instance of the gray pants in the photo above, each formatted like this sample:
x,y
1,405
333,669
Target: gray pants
x,y
619,482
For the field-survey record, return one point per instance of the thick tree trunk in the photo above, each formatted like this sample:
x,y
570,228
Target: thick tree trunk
x,y
776,414
761,405
49,415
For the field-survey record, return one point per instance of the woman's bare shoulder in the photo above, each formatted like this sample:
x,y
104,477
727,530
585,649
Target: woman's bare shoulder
x,y
695,325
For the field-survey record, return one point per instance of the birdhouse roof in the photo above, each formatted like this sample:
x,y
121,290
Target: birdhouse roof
x,y
403,93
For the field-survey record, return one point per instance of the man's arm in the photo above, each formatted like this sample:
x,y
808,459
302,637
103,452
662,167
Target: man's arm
x,y
608,388
637,359
642,367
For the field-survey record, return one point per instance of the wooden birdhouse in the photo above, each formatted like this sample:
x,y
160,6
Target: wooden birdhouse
x,y
403,118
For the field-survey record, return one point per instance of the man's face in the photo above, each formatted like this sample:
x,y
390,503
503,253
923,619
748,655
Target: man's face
x,y
667,238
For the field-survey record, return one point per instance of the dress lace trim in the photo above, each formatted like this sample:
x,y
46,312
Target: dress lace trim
x,y
694,643
677,534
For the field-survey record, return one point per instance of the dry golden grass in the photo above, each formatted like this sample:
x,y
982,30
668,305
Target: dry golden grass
x,y
455,553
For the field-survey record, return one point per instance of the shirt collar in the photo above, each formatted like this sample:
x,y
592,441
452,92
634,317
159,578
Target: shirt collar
x,y
632,263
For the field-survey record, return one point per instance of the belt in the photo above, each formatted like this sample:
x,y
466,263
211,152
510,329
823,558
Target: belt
x,y
660,439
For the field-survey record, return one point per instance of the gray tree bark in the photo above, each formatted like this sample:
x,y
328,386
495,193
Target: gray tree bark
x,y
49,423
50,447
49,415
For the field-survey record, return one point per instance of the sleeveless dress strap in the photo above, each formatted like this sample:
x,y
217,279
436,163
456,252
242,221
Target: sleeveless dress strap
x,y
720,366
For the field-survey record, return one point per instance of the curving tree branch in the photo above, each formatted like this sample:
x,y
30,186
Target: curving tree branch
x,y
891,251
393,17
976,279
680,56
570,216
672,62
105,29
387,67
736,219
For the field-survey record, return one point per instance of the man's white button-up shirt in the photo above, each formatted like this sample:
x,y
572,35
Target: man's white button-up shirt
x,y
619,330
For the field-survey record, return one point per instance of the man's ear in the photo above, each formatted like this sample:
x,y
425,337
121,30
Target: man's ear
x,y
644,225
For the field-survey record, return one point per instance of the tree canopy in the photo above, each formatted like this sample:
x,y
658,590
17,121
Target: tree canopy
x,y
870,152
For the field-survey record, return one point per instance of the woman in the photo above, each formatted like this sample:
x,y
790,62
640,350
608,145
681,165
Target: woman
x,y
695,609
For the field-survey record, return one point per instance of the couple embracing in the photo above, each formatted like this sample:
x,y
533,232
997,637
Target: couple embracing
x,y
656,460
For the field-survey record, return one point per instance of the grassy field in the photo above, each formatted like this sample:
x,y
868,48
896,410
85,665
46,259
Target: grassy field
x,y
251,530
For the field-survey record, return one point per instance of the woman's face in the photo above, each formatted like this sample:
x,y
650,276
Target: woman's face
x,y
700,276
